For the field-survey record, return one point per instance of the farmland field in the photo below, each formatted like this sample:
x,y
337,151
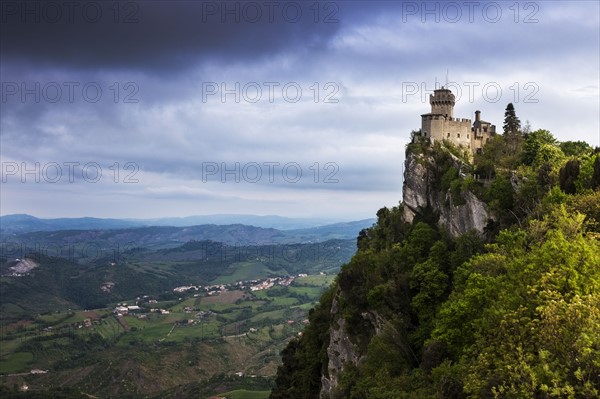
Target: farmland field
x,y
245,330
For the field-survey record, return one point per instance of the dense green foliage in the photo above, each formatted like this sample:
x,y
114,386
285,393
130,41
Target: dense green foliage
x,y
524,319
513,313
306,359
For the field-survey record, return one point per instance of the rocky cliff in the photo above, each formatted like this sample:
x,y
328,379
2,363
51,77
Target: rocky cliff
x,y
342,352
420,193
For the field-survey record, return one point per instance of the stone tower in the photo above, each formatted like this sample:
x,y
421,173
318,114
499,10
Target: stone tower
x,y
442,102
440,124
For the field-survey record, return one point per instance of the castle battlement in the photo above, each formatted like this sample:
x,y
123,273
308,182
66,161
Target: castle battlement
x,y
440,124
460,120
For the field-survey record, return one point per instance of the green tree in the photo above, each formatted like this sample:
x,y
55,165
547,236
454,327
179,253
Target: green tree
x,y
545,176
533,142
531,189
500,194
488,160
548,153
429,282
465,247
596,176
512,124
587,204
575,148
568,175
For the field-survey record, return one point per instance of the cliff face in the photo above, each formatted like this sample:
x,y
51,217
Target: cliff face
x,y
419,194
341,352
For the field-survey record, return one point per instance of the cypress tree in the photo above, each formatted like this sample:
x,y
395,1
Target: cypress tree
x,y
512,124
596,175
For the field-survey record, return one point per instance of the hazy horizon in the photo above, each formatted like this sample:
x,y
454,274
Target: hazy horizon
x,y
335,220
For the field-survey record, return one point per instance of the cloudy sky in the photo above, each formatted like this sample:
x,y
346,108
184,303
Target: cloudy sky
x,y
147,109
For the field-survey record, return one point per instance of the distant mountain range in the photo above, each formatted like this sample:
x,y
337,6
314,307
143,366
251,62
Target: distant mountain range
x,y
272,221
33,232
23,223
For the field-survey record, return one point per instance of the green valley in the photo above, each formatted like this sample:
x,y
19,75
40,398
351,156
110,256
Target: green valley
x,y
199,316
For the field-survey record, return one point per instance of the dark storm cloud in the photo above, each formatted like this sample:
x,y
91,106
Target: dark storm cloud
x,y
152,35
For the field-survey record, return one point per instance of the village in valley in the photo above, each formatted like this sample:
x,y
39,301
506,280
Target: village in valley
x,y
145,305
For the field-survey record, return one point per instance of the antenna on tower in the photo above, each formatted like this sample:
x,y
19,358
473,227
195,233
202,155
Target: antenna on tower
x,y
446,77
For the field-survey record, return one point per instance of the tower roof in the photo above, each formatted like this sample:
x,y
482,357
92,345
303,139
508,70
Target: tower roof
x,y
442,96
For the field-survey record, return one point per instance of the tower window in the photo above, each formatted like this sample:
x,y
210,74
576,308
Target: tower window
x,y
468,136
448,135
458,135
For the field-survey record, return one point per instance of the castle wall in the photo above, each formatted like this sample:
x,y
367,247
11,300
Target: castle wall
x,y
477,143
441,125
482,132
458,131
432,126
438,127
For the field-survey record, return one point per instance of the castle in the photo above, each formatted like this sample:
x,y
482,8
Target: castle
x,y
440,124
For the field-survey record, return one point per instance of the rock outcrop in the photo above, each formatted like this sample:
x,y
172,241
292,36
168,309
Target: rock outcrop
x,y
419,194
341,352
